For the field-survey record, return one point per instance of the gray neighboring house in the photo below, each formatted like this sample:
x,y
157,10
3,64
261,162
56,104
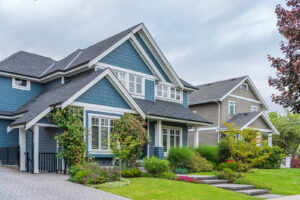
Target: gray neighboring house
x,y
235,101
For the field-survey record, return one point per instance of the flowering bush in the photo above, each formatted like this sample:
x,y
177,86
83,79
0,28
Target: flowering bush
x,y
295,163
188,179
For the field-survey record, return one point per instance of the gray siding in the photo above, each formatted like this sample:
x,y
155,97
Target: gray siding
x,y
205,137
260,123
208,111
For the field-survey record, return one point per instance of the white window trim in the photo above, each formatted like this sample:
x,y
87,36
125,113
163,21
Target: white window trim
x,y
143,84
27,87
90,116
256,109
229,107
168,136
168,98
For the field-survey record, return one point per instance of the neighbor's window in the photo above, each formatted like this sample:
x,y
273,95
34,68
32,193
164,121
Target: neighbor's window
x,y
20,84
135,84
253,108
101,128
244,86
232,106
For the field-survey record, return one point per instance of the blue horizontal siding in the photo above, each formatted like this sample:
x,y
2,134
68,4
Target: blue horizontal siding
x,y
10,139
47,143
11,98
158,66
104,93
149,90
185,102
127,57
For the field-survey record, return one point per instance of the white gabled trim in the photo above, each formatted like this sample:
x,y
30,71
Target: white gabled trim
x,y
47,125
37,118
234,88
102,108
244,98
204,129
177,120
10,117
266,119
9,128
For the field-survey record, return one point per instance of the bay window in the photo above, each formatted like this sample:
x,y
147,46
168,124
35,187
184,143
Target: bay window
x,y
100,133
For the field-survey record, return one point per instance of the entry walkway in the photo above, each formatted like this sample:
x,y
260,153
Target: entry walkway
x,y
25,186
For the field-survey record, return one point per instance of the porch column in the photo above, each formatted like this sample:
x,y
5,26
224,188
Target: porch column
x,y
36,149
196,137
270,139
158,149
22,144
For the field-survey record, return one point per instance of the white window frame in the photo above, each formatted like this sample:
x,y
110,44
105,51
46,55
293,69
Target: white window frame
x,y
254,109
99,150
27,87
135,84
169,92
169,128
244,84
229,102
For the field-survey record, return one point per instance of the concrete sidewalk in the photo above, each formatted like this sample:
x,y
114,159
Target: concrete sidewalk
x,y
296,197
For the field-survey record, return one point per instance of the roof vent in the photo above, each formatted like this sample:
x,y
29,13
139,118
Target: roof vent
x,y
233,79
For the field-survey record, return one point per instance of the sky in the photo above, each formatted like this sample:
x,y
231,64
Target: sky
x,y
205,41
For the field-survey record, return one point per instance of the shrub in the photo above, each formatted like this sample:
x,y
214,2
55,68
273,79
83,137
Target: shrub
x,y
274,159
229,165
135,172
156,166
180,171
189,179
224,152
181,157
147,174
209,152
92,173
200,164
168,175
295,163
227,174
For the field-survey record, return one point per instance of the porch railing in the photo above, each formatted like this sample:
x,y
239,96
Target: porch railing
x,y
10,155
48,162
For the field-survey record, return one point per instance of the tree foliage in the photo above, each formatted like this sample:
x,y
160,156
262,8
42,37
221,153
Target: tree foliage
x,y
72,138
127,139
243,147
289,129
287,81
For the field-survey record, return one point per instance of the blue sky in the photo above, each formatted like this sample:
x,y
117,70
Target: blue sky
x,y
204,41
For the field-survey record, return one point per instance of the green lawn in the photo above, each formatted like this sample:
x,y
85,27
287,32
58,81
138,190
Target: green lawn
x,y
282,181
203,173
162,189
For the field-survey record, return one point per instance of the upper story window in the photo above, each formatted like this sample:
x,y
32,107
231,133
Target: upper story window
x,y
253,108
244,86
231,107
20,84
168,92
121,76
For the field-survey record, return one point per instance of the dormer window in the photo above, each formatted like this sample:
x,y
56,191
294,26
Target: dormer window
x,y
168,92
20,84
175,94
162,91
244,86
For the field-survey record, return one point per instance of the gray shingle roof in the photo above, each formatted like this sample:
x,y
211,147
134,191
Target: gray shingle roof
x,y
213,91
241,119
54,96
186,84
24,63
6,113
169,110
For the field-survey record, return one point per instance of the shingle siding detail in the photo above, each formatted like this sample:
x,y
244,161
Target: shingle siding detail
x,y
11,98
149,90
158,66
127,57
103,93
10,139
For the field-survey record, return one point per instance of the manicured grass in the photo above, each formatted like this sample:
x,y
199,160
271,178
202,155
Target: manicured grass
x,y
162,189
282,181
203,173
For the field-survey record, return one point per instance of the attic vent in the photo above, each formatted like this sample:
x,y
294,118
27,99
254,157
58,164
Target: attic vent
x,y
233,79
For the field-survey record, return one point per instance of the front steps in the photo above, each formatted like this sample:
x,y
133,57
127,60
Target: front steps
x,y
241,188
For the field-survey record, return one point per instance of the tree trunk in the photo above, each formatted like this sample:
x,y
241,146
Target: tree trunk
x,y
120,168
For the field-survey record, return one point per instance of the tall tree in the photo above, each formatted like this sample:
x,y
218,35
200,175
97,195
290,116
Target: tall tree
x,y
287,80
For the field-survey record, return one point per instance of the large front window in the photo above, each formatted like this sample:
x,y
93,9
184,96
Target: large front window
x,y
100,133
171,137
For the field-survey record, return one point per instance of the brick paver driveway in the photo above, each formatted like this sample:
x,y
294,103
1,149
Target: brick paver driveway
x,y
15,185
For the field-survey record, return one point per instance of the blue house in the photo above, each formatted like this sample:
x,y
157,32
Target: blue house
x,y
125,73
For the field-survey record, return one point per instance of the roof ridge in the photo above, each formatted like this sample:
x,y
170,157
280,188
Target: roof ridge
x,y
222,81
36,54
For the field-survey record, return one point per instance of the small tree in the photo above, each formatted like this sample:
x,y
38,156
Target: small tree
x,y
127,139
289,129
244,148
72,138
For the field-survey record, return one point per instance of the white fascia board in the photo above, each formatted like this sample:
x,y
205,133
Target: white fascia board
x,y
252,86
244,98
234,88
9,128
157,49
177,120
145,57
37,118
201,102
252,120
204,129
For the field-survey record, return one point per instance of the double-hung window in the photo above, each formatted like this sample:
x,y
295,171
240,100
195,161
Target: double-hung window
x,y
135,84
20,84
168,92
100,133
175,94
121,76
232,107
162,91
171,137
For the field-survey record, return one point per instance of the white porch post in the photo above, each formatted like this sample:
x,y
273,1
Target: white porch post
x,y
22,144
196,137
36,149
158,134
270,139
